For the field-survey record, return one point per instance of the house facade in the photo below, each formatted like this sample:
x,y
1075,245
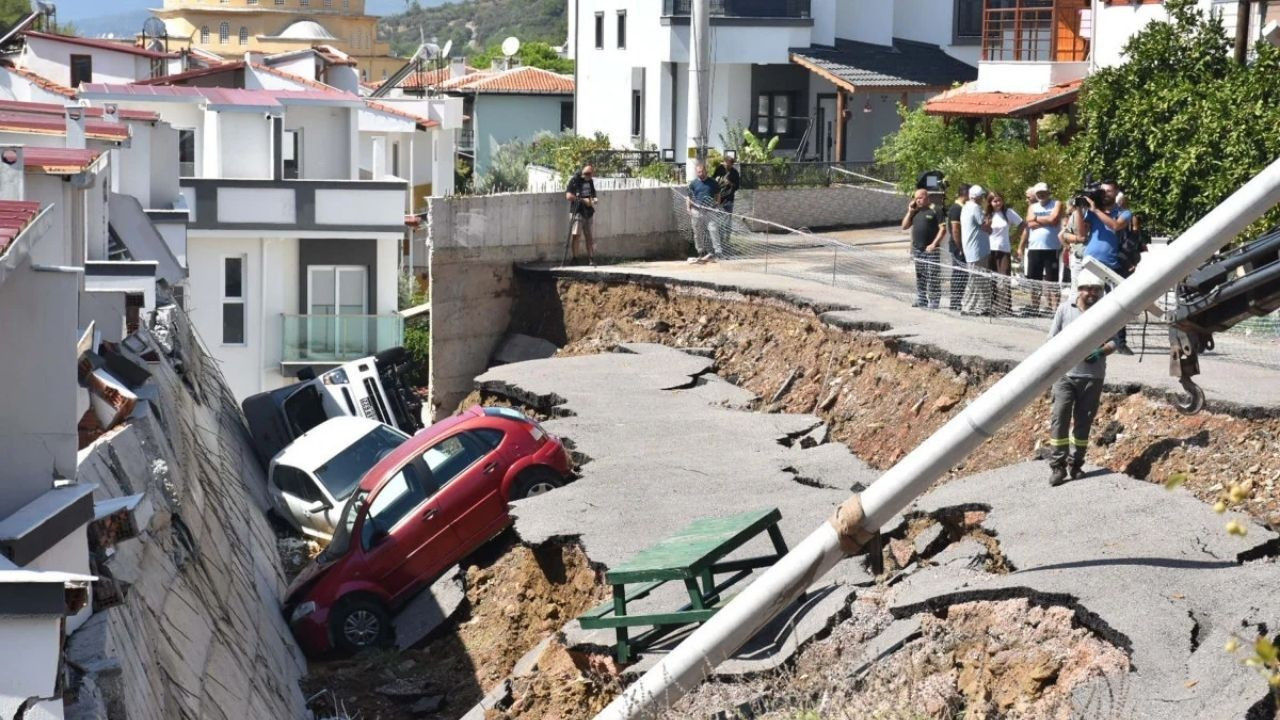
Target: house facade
x,y
824,76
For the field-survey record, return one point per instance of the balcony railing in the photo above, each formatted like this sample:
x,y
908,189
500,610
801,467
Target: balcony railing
x,y
466,139
337,206
339,338
1034,31
742,8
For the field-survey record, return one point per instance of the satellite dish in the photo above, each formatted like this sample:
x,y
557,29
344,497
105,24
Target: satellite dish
x,y
444,51
154,27
511,46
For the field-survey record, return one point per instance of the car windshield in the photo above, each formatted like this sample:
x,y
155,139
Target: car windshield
x,y
342,533
343,472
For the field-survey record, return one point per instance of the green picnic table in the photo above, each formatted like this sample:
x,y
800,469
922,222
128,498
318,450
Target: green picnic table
x,y
692,556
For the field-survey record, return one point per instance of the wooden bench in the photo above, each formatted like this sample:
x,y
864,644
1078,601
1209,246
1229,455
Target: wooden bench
x,y
692,556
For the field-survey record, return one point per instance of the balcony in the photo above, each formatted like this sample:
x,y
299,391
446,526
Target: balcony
x,y
467,140
338,206
333,339
1035,31
741,11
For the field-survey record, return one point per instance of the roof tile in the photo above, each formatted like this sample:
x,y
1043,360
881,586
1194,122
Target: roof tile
x,y
965,102
14,217
517,81
905,64
101,44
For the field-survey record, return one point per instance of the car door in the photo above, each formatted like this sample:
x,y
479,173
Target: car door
x,y
473,497
404,536
300,495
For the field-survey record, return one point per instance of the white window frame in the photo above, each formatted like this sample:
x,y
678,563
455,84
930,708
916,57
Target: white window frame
x,y
337,289
225,300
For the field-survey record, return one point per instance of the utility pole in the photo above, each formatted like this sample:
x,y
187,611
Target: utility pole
x,y
1243,11
856,520
699,116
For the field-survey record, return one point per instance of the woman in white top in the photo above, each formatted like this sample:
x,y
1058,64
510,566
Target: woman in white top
x,y
1004,220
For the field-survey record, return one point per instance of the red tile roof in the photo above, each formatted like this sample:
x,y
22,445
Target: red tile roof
x,y
215,95
334,56
14,217
101,44
39,81
58,161
191,74
37,124
431,78
964,102
60,110
516,81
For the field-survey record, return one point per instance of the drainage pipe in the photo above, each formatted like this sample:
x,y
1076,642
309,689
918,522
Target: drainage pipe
x,y
855,521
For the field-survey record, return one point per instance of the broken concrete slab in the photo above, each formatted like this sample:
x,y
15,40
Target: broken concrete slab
x,y
653,449
926,539
516,347
1149,570
429,609
965,553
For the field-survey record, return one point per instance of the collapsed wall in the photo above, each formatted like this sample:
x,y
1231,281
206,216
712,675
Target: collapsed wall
x,y
197,631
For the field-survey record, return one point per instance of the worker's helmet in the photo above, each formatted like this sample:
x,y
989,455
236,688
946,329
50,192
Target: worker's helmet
x,y
1087,277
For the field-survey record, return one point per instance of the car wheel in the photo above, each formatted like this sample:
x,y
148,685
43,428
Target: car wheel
x,y
359,624
535,481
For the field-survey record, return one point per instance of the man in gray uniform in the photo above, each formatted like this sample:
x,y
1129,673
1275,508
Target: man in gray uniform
x,y
1076,394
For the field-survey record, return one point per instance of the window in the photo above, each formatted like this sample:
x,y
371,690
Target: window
x,y
224,33
395,157
773,114
204,35
488,438
279,2
622,29
566,116
399,495
1034,30
244,35
968,21
304,3
251,2
328,3
599,31
186,152
233,284
637,113
81,69
337,297
449,457
343,472
297,483
292,141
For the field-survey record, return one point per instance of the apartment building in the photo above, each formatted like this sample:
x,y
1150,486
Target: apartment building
x,y
824,76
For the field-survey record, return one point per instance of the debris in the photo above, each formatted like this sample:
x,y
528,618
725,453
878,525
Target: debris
x,y
427,705
926,539
902,552
785,387
403,688
945,403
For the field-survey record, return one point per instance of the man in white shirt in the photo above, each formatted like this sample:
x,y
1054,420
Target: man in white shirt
x,y
975,236
1044,248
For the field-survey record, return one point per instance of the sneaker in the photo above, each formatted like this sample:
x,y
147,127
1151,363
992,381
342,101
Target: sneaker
x,y
693,260
1058,476
709,257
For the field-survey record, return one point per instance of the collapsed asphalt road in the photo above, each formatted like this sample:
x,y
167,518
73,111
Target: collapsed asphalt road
x,y
1147,570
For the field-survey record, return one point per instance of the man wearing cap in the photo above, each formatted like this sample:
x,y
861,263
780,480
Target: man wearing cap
x,y
1044,249
975,237
1076,395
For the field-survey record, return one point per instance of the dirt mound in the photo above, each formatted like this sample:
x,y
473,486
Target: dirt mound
x,y
566,684
882,398
516,596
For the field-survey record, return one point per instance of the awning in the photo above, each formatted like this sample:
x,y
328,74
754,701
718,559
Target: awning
x,y
965,102
906,65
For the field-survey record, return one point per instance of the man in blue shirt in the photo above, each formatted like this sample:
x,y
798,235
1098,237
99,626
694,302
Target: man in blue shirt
x,y
1106,226
701,204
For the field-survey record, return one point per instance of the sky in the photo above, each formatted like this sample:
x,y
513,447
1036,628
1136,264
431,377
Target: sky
x,y
76,10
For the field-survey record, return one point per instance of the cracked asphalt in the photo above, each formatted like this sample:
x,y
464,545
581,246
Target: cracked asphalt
x,y
1150,570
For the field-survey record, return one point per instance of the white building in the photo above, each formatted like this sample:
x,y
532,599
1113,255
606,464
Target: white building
x,y
823,75
293,257
71,61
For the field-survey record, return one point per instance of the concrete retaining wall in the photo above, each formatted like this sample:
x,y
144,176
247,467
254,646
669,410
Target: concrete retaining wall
x,y
200,632
819,207
475,242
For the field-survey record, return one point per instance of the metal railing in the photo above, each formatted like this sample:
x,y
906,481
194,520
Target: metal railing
x,y
466,139
742,8
338,338
807,174
1035,31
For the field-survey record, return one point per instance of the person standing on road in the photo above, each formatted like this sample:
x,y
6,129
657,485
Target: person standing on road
x,y
1076,395
701,203
975,236
1005,221
1107,225
728,180
924,220
581,194
1044,248
959,277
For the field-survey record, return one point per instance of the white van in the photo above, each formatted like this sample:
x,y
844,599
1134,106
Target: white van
x,y
310,480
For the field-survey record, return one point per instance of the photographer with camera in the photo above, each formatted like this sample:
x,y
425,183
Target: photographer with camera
x,y
1107,226
581,194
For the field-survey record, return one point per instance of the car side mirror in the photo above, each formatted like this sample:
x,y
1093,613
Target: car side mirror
x,y
320,506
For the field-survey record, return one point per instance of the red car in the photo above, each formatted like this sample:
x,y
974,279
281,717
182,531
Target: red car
x,y
422,508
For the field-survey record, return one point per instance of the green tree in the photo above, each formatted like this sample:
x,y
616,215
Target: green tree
x,y
1179,124
533,54
11,11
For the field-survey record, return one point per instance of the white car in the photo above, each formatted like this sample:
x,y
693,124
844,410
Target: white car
x,y
310,480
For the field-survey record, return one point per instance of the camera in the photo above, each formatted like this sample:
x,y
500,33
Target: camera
x,y
1091,191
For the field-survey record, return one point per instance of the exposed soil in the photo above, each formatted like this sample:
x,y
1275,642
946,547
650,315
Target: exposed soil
x,y
566,684
881,398
516,595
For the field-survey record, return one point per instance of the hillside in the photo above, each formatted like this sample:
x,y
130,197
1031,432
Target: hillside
x,y
476,24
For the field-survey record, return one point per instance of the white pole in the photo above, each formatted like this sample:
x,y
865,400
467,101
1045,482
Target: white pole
x,y
699,81
780,585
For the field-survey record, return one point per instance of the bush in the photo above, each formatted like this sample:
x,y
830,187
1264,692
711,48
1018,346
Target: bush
x,y
1179,124
507,169
417,340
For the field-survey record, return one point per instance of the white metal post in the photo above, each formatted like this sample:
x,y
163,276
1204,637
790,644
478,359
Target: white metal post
x,y
780,585
699,81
